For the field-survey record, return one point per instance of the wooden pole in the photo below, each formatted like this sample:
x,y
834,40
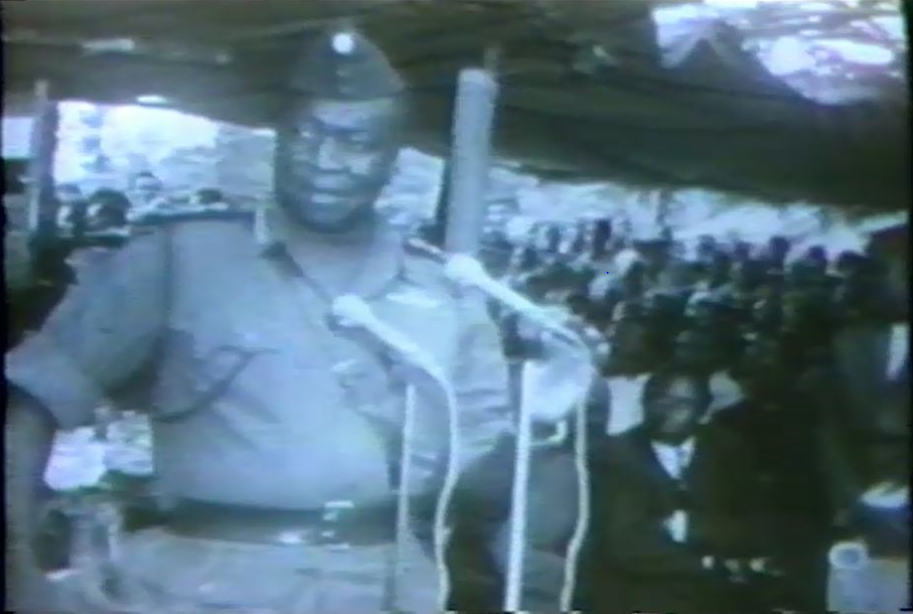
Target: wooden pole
x,y
31,215
41,217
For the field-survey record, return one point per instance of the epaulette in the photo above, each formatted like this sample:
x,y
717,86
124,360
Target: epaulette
x,y
152,220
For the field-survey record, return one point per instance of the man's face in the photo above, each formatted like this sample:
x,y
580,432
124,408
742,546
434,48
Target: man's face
x,y
549,259
333,158
803,307
543,238
769,307
744,275
588,232
697,349
630,346
777,250
706,248
497,216
148,188
701,312
674,415
569,236
654,253
761,369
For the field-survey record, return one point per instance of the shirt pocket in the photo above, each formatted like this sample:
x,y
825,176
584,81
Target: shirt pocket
x,y
197,369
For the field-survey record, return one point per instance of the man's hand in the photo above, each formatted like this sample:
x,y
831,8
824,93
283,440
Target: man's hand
x,y
558,380
886,495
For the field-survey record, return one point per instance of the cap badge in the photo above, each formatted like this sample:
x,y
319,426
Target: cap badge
x,y
343,43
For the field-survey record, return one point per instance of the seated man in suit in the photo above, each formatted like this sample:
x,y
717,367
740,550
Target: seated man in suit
x,y
675,512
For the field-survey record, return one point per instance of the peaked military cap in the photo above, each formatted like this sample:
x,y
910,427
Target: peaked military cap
x,y
343,65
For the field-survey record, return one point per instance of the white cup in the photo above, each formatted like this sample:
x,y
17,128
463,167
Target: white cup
x,y
848,555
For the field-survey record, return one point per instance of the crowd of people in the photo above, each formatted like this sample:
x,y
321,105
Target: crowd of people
x,y
82,216
768,368
99,220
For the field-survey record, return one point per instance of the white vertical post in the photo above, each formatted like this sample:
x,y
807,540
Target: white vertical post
x,y
469,163
41,162
513,590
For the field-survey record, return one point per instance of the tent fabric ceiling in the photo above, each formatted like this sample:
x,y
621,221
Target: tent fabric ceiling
x,y
709,121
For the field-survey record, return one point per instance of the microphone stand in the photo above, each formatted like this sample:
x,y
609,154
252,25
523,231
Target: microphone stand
x,y
513,590
468,272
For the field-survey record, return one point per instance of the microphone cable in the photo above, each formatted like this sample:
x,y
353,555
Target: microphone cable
x,y
441,531
575,545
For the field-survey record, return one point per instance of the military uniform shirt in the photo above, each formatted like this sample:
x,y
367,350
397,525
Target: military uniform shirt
x,y
255,399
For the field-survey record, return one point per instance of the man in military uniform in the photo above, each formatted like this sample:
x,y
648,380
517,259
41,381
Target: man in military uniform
x,y
276,438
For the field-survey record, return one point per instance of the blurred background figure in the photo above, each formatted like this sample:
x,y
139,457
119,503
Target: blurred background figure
x,y
147,195
601,243
210,199
107,209
146,188
71,211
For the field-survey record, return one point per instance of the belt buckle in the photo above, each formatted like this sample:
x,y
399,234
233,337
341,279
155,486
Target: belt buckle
x,y
331,513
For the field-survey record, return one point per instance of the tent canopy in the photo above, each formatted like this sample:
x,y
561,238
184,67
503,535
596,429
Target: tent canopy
x,y
584,91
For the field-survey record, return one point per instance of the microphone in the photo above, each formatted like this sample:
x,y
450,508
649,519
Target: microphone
x,y
467,271
351,311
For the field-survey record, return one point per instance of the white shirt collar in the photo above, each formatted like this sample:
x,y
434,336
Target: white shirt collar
x,y
625,407
725,393
686,446
674,459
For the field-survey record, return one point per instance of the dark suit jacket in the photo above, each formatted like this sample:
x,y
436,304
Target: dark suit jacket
x,y
863,413
784,441
861,353
631,560
866,415
785,438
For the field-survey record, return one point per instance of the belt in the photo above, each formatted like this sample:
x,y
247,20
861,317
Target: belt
x,y
337,524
